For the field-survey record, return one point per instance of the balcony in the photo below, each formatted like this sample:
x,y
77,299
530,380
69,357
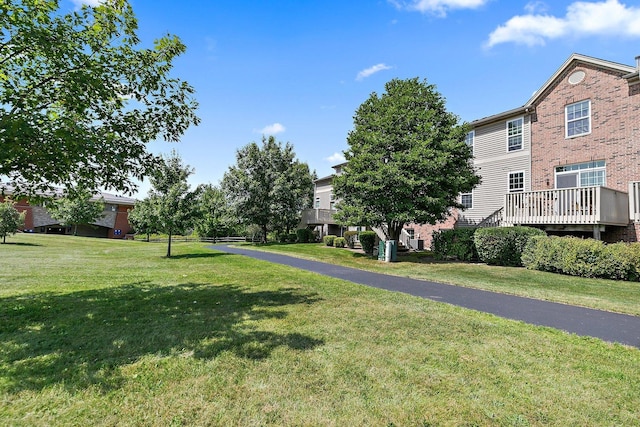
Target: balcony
x,y
568,206
317,217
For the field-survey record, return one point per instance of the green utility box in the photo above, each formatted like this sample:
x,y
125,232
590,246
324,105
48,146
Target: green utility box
x,y
388,251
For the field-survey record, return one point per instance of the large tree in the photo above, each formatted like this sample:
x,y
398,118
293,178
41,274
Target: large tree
x,y
175,207
78,207
80,99
216,218
10,219
407,160
268,186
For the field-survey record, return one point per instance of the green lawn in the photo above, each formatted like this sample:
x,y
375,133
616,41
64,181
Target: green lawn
x,y
105,332
610,295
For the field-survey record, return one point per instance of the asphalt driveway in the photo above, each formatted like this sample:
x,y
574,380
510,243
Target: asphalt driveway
x,y
612,327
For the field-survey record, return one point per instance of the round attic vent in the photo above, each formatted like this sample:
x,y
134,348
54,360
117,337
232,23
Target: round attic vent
x,y
576,77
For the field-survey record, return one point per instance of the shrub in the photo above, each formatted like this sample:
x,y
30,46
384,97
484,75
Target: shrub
x,y
339,242
454,243
350,237
282,238
304,235
583,257
503,245
328,239
368,241
292,237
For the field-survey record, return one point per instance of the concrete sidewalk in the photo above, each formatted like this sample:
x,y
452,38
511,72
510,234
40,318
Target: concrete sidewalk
x,y
612,327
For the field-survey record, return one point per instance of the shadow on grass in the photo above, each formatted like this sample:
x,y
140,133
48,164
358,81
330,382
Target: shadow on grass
x,y
19,244
83,338
201,255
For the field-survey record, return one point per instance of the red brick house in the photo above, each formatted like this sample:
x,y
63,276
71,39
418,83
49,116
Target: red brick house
x,y
114,224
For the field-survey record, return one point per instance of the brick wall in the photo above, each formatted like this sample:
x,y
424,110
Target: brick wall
x,y
614,137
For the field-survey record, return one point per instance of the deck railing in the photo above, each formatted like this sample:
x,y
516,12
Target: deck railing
x,y
317,216
575,206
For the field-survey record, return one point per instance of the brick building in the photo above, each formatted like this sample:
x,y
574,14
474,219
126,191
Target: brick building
x,y
567,161
114,223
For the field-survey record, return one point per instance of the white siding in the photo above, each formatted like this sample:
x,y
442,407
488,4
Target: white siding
x,y
493,163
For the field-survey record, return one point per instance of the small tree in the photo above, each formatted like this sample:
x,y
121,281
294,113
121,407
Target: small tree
x,y
10,219
407,160
77,208
174,205
215,217
144,218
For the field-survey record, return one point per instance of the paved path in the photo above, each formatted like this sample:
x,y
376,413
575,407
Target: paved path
x,y
607,326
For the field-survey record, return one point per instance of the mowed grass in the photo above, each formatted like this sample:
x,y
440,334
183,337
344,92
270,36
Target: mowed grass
x,y
610,295
104,332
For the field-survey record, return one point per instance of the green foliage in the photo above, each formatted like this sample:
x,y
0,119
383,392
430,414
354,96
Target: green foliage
x,y
350,237
268,186
215,218
583,257
174,206
77,208
329,239
340,242
368,241
503,245
304,235
143,217
81,85
455,243
407,160
10,219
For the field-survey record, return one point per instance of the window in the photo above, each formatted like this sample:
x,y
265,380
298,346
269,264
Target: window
x,y
411,232
516,182
514,134
587,174
469,138
466,200
578,118
317,202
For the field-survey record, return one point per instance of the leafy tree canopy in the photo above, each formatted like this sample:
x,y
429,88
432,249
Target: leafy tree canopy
x,y
80,99
268,186
407,160
10,219
77,208
174,206
216,218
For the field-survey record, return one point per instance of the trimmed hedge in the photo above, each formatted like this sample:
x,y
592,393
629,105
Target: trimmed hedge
x,y
328,239
583,257
304,235
503,245
350,237
368,241
339,242
454,243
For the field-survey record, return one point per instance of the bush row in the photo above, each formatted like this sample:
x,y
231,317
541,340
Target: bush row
x,y
495,245
583,257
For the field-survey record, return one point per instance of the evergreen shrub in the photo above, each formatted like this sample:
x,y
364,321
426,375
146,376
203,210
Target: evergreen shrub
x,y
350,237
454,243
339,242
328,239
503,245
368,241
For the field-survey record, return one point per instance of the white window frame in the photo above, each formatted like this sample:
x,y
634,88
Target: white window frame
x,y
470,139
524,181
317,203
567,121
580,168
467,194
509,149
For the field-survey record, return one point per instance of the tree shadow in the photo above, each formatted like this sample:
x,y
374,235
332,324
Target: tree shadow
x,y
19,244
80,339
202,255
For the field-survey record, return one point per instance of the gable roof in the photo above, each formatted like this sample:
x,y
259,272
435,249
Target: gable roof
x,y
630,73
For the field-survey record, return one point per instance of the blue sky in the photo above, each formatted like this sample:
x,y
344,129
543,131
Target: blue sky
x,y
299,69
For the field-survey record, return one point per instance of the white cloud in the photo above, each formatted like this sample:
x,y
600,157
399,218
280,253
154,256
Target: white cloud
x,y
273,129
606,18
336,158
372,70
437,7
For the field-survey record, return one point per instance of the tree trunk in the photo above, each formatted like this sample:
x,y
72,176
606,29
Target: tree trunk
x,y
4,239
75,230
264,234
169,246
394,231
